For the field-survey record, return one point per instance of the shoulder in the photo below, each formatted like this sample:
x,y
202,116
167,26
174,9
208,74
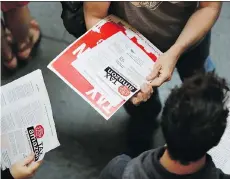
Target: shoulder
x,y
219,174
223,175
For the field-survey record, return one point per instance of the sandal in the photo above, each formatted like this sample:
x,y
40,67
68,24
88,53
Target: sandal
x,y
11,63
9,36
31,43
9,60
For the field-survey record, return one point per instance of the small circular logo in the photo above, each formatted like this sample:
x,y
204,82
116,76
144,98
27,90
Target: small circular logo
x,y
124,90
39,131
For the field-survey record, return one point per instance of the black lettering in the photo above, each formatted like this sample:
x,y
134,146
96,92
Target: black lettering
x,y
125,83
131,88
109,71
114,77
110,75
37,148
40,147
113,80
121,80
31,131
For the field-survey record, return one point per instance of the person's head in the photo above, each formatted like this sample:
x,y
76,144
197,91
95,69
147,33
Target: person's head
x,y
194,117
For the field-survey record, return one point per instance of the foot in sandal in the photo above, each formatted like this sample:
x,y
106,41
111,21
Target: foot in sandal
x,y
10,63
9,36
25,49
9,59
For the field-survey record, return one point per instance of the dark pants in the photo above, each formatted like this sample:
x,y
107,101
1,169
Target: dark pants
x,y
143,117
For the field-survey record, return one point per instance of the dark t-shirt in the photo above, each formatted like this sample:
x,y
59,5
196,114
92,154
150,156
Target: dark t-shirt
x,y
161,22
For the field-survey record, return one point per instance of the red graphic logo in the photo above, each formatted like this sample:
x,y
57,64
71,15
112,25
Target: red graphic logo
x,y
39,131
124,90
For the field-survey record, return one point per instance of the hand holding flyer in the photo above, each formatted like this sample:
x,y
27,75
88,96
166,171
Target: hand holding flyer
x,y
25,168
27,123
123,67
107,65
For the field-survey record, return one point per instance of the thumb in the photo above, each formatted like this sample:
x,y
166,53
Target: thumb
x,y
155,72
159,81
28,159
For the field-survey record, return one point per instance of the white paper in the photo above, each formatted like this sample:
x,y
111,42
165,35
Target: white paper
x,y
226,168
130,64
221,153
27,123
88,72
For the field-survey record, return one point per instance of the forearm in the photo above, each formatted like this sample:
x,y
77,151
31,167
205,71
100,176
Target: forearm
x,y
94,12
197,26
91,20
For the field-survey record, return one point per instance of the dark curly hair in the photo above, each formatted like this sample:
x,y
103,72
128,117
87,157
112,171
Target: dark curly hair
x,y
194,117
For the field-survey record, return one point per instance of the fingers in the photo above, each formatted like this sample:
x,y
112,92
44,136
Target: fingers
x,y
160,80
34,166
147,91
31,169
155,72
28,159
143,95
136,100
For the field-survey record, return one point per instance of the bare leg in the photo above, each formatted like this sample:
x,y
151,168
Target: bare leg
x,y
18,21
9,59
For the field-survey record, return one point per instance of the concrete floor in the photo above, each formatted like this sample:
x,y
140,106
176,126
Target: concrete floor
x,y
88,142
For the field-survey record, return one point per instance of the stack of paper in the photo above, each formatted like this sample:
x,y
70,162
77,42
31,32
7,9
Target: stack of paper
x,y
116,67
107,65
27,123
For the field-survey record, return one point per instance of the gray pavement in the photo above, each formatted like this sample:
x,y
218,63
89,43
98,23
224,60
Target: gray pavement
x,y
88,141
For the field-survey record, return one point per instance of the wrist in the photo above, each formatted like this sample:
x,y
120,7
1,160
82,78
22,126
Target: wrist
x,y
174,53
176,50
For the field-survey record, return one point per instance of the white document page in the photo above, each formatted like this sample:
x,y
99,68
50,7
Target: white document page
x,y
27,123
221,153
101,86
120,54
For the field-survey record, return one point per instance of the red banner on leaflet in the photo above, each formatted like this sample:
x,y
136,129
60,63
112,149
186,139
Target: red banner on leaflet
x,y
62,64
